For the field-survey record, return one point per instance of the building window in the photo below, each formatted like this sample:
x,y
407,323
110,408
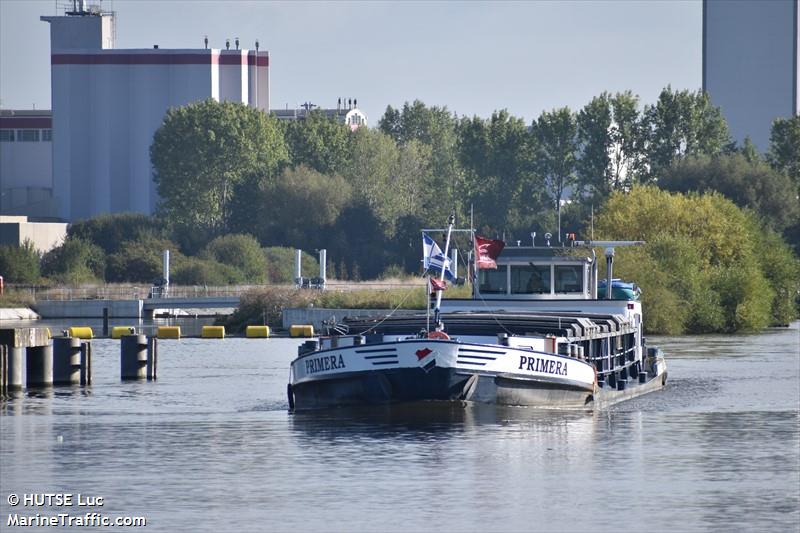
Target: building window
x,y
7,136
28,135
47,135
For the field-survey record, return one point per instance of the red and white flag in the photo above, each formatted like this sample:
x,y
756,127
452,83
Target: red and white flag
x,y
487,251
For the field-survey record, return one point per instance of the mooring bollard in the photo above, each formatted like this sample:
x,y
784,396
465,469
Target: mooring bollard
x,y
133,357
67,365
39,361
152,359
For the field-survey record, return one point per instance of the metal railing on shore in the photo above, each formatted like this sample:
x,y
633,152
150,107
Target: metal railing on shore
x,y
137,292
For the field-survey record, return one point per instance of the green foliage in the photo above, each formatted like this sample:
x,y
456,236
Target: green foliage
x,y
681,123
141,261
265,305
108,231
76,261
499,179
557,149
318,142
242,253
703,268
19,264
280,264
751,184
197,271
784,147
610,143
203,151
300,206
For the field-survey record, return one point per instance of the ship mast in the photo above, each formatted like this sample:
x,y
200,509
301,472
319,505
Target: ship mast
x,y
450,222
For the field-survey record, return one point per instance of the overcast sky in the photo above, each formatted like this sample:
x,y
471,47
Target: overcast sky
x,y
473,57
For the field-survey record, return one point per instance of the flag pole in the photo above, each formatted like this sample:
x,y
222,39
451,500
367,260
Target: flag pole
x,y
450,222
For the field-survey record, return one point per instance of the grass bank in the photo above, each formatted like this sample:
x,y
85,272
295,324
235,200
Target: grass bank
x,y
265,305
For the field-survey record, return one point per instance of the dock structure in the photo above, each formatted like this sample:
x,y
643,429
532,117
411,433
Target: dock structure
x,y
47,362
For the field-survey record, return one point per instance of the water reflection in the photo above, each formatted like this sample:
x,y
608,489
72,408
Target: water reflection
x,y
210,447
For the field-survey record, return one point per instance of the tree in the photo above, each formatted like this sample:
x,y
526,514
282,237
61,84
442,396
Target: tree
x,y
242,252
318,142
108,231
372,174
435,128
749,184
19,264
300,207
681,123
203,151
784,147
141,261
703,267
556,157
499,180
593,166
75,261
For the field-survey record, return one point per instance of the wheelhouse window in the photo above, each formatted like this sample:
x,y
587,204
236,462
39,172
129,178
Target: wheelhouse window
x,y
492,281
530,279
569,278
7,136
47,135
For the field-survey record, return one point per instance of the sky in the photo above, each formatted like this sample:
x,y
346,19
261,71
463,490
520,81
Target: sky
x,y
472,57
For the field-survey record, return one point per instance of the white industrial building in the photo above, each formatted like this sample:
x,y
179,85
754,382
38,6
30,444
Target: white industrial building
x,y
26,163
107,104
751,67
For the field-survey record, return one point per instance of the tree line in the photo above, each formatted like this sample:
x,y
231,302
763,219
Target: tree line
x,y
225,168
239,189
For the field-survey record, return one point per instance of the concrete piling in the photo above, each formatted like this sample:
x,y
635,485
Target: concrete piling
x,y
67,367
133,357
14,375
39,362
3,372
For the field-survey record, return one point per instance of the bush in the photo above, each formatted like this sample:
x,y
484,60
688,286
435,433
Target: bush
x,y
76,261
19,264
196,271
141,261
110,231
280,264
241,252
706,266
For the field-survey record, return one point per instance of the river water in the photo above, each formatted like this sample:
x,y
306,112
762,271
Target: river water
x,y
210,447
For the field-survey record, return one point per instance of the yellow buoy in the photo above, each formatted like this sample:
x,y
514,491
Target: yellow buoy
x,y
301,331
80,332
213,332
168,332
118,331
257,332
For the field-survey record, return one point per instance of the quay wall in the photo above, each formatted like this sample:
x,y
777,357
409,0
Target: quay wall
x,y
89,308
